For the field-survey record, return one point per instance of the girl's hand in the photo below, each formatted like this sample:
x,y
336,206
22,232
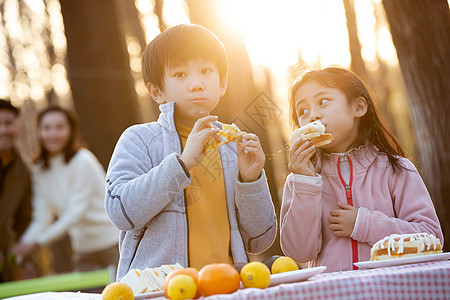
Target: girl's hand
x,y
193,150
300,158
251,157
343,220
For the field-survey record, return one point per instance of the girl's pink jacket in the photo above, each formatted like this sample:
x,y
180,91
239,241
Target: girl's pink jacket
x,y
388,203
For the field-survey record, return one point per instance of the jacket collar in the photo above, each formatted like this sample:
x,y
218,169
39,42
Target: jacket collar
x,y
362,157
166,117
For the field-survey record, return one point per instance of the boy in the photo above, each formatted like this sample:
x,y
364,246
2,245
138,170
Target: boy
x,y
173,203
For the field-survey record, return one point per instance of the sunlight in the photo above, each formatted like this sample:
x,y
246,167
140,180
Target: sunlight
x,y
56,23
265,44
385,47
282,34
278,34
149,20
59,75
27,37
379,41
11,17
175,12
366,22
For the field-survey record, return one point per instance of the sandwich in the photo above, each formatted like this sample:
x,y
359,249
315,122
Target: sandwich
x,y
313,132
228,134
136,280
149,279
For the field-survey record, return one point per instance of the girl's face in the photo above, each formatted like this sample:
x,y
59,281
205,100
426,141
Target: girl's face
x,y
314,101
54,132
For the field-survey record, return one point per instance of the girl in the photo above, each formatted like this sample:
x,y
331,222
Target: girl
x,y
69,184
342,198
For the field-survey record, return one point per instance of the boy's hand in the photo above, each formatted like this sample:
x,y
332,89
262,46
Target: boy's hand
x,y
193,150
300,158
251,157
343,220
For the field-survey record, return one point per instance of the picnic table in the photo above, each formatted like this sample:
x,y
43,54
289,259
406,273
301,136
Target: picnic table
x,y
427,280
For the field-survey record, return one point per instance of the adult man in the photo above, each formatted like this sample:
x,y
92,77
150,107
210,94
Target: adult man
x,y
15,191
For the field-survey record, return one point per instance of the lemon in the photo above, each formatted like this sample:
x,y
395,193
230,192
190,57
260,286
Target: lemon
x,y
117,291
284,264
181,287
255,275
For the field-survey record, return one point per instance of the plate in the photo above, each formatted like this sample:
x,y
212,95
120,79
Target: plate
x,y
149,295
402,261
295,276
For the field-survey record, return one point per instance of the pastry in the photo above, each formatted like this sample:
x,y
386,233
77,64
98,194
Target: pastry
x,y
314,132
405,245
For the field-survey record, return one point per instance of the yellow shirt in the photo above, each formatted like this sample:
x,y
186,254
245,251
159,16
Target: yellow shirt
x,y
209,228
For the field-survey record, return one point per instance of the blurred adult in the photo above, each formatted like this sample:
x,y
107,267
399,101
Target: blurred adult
x,y
69,185
15,191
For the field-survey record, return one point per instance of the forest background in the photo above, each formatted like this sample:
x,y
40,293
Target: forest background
x,y
85,54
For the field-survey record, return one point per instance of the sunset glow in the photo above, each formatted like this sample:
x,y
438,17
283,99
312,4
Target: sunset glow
x,y
276,35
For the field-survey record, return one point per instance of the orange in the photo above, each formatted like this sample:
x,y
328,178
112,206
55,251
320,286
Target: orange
x,y
193,272
117,291
218,279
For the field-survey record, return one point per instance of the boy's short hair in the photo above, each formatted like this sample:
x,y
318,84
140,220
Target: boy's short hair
x,y
181,44
4,104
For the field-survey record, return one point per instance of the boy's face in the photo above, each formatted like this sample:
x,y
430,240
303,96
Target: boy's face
x,y
195,87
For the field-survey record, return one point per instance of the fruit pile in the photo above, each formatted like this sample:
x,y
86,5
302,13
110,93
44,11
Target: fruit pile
x,y
212,279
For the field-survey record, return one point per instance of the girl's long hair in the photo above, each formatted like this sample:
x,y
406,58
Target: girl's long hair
x,y
372,127
72,145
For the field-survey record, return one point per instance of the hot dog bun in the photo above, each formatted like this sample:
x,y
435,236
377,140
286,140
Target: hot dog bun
x,y
314,132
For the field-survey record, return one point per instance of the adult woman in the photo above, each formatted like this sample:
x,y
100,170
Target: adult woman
x,y
68,183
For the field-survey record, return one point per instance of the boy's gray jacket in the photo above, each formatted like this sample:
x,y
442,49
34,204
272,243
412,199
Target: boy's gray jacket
x,y
145,199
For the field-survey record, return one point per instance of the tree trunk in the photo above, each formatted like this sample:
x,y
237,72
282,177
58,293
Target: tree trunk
x,y
131,29
357,62
420,31
99,74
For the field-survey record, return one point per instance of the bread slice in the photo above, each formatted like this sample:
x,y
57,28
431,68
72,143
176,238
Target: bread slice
x,y
322,140
314,132
149,279
137,280
152,284
229,133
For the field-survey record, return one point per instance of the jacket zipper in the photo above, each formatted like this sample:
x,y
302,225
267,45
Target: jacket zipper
x,y
348,193
185,199
139,239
